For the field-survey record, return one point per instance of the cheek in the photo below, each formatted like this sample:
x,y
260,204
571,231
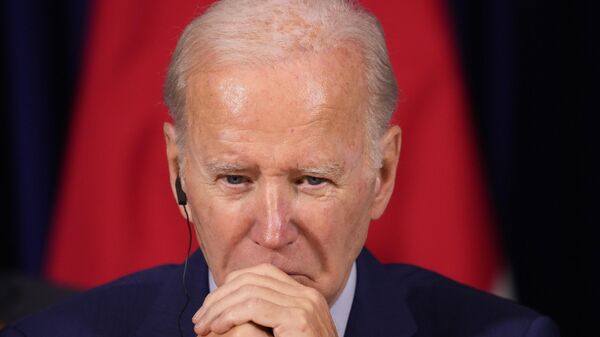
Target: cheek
x,y
321,219
219,226
356,218
338,224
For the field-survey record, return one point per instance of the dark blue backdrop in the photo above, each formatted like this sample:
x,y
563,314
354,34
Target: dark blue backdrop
x,y
530,68
42,47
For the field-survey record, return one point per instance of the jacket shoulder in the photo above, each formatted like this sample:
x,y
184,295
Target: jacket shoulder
x,y
114,309
444,307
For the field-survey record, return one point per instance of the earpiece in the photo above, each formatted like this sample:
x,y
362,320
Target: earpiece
x,y
182,200
181,197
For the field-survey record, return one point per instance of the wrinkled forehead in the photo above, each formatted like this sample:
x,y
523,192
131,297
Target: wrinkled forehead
x,y
296,90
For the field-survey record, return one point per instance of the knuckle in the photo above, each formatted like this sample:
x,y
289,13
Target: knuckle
x,y
231,276
246,278
248,288
313,295
236,277
302,319
228,316
305,303
267,267
254,303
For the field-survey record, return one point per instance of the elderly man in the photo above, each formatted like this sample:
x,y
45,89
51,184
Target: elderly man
x,y
280,155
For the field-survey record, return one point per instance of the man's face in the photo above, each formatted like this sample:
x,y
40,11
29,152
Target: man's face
x,y
276,168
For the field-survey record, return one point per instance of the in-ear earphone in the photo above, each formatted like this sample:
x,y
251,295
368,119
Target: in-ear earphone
x,y
181,196
182,201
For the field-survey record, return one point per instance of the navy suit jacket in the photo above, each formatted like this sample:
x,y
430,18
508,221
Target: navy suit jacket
x,y
390,300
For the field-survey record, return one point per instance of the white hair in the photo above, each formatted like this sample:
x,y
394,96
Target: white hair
x,y
258,32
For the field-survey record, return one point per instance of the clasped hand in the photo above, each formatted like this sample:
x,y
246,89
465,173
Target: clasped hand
x,y
264,301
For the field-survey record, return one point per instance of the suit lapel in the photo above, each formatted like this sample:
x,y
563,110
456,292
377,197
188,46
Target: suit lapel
x,y
162,317
379,307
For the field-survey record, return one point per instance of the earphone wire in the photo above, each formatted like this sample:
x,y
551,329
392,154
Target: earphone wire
x,y
185,264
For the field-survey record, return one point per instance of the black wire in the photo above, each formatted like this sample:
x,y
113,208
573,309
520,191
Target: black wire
x,y
187,255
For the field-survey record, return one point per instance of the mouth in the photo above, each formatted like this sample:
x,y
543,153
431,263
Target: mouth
x,y
294,273
302,279
292,263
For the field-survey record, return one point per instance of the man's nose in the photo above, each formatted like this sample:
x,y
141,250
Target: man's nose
x,y
272,228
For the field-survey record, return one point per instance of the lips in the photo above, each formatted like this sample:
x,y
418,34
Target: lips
x,y
296,263
302,279
290,268
290,272
283,264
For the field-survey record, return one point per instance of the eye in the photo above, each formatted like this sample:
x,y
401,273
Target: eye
x,y
236,180
314,181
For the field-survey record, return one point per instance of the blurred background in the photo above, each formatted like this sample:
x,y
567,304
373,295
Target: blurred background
x,y
498,180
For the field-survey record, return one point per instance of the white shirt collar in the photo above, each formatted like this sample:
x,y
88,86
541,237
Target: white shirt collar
x,y
340,310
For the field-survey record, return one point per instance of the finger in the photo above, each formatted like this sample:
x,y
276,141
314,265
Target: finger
x,y
246,294
247,279
259,311
265,269
246,330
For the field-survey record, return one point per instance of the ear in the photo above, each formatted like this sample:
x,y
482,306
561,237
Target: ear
x,y
173,156
389,146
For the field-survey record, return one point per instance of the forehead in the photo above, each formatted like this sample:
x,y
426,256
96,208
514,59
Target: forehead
x,y
298,90
294,113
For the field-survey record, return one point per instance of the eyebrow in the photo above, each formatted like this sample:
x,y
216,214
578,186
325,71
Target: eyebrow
x,y
328,170
333,170
218,167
